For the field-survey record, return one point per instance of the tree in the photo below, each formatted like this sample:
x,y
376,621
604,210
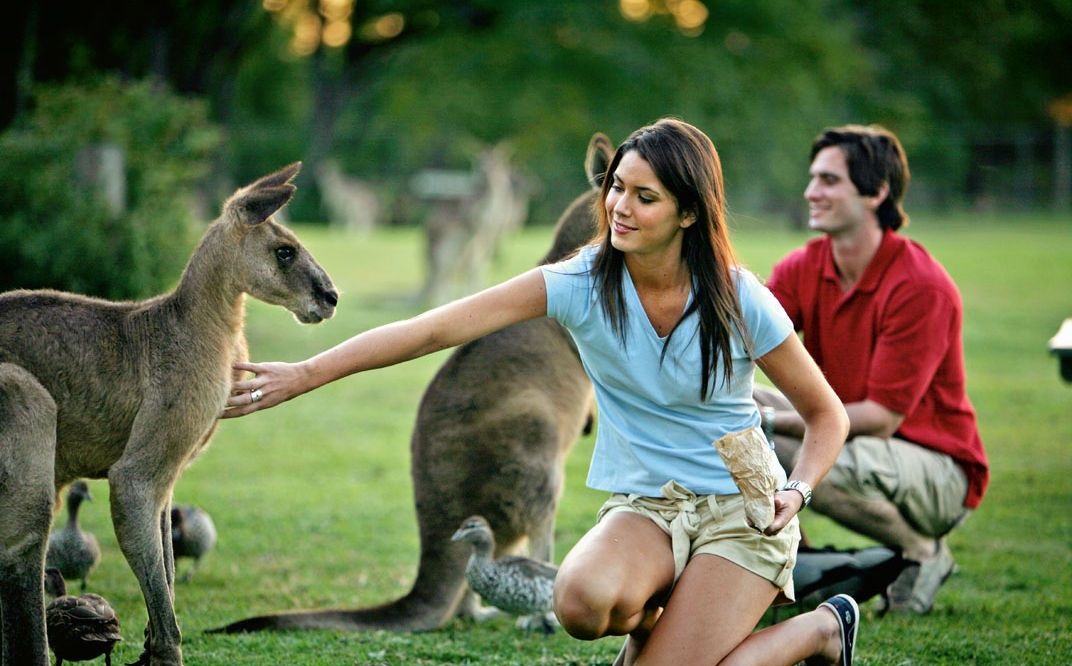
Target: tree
x,y
548,75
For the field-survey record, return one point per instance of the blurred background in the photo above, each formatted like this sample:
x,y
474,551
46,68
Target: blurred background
x,y
123,125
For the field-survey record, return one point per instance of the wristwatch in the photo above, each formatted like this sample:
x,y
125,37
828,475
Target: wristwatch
x,y
803,488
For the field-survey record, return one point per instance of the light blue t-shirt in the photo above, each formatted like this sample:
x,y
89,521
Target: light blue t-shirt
x,y
653,426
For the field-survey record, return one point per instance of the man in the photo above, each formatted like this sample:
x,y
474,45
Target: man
x,y
882,319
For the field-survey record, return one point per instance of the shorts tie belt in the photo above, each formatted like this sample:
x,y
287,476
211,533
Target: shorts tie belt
x,y
679,508
714,525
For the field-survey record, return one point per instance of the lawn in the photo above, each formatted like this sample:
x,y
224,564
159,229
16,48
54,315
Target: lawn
x,y
313,503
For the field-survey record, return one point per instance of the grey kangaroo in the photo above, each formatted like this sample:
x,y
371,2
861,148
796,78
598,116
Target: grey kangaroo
x,y
491,438
131,392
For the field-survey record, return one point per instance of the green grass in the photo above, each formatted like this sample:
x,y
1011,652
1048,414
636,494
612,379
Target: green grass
x,y
313,501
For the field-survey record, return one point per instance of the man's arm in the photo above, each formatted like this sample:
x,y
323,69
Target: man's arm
x,y
908,350
865,418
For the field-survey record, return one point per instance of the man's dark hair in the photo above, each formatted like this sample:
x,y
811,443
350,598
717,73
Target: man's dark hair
x,y
874,156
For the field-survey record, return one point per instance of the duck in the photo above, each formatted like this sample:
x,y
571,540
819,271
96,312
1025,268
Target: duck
x,y
72,550
193,534
514,584
80,628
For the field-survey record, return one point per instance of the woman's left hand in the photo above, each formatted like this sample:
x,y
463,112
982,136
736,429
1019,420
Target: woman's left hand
x,y
786,505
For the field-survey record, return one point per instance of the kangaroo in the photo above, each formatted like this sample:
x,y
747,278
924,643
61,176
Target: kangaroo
x,y
492,433
131,392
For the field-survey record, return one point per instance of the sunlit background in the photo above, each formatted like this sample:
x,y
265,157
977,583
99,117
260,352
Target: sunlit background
x,y
329,22
383,99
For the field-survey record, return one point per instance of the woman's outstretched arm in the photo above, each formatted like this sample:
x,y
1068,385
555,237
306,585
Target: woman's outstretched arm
x,y
518,299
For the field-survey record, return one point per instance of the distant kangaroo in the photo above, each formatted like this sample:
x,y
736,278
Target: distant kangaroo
x,y
131,391
491,438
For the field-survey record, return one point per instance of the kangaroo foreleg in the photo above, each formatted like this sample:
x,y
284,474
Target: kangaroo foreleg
x,y
169,573
141,482
137,528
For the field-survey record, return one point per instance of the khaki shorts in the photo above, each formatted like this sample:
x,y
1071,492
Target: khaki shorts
x,y
715,524
926,486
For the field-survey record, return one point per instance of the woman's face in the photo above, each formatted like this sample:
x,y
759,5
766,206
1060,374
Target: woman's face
x,y
643,215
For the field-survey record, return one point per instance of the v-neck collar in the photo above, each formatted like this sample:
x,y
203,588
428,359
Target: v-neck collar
x,y
634,296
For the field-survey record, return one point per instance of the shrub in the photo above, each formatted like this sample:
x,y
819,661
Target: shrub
x,y
57,231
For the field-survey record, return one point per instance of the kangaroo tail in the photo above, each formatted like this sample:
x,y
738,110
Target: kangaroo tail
x,y
433,600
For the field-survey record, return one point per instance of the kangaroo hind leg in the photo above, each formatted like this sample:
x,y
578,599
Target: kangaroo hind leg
x,y
27,494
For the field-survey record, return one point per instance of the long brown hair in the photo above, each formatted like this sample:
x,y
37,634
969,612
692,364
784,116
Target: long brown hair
x,y
687,164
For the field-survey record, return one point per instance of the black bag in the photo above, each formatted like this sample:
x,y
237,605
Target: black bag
x,y
820,573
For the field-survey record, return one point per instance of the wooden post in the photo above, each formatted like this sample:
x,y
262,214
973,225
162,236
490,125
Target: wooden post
x,y
102,169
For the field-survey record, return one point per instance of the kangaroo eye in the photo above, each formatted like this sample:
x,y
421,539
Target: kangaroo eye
x,y
285,255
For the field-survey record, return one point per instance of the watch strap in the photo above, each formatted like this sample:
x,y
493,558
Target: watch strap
x,y
801,487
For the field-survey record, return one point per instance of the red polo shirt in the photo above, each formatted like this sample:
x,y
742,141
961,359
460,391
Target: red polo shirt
x,y
894,338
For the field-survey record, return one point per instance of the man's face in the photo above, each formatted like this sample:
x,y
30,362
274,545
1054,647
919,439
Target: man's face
x,y
835,206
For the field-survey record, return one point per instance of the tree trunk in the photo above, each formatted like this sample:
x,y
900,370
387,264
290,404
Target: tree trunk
x,y
1062,167
331,91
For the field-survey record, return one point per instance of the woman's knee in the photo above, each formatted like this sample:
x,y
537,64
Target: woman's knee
x,y
605,582
589,609
581,609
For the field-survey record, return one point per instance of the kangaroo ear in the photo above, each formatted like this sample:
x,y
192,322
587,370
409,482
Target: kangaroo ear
x,y
597,159
256,202
284,175
255,205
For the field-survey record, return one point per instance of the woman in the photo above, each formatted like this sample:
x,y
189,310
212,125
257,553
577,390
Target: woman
x,y
670,329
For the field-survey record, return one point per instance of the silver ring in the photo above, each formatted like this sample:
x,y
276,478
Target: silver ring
x,y
255,395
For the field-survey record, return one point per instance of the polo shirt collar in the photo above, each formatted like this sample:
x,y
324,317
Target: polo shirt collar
x,y
888,249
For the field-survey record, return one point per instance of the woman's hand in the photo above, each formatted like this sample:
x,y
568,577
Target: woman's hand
x,y
272,383
786,505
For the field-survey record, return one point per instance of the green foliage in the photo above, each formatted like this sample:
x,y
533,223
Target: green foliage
x,y
268,122
550,74
314,507
964,85
55,229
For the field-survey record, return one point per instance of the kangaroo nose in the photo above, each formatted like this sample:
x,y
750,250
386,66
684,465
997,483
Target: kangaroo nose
x,y
329,296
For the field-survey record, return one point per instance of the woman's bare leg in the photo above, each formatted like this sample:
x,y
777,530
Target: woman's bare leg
x,y
814,637
612,582
712,613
